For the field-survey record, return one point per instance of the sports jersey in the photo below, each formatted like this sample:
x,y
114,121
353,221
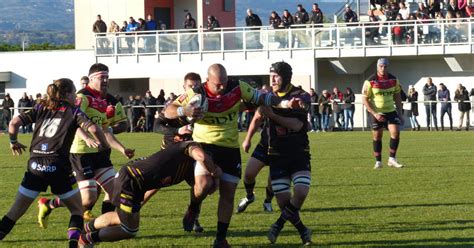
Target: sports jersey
x,y
219,125
164,168
102,111
380,91
282,140
55,130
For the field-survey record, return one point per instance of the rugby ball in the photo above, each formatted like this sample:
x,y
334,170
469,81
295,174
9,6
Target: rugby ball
x,y
198,100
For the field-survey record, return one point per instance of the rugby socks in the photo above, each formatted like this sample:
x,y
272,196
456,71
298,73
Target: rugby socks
x,y
91,238
6,225
393,147
221,231
291,213
74,231
378,149
107,206
269,194
89,226
195,204
249,187
54,203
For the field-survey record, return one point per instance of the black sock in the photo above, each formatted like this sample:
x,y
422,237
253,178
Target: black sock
x,y
221,231
195,204
75,228
269,194
280,222
91,237
54,203
249,187
107,206
292,214
89,226
393,147
6,225
377,150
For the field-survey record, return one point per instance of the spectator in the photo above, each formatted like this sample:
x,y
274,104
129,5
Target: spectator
x,y
25,103
429,92
462,4
132,26
349,108
124,26
100,27
398,31
161,100
462,97
350,15
434,8
149,100
316,15
315,117
372,29
212,23
404,11
452,8
338,115
38,98
7,112
113,28
275,20
137,110
189,22
445,99
252,20
129,105
84,81
286,19
325,108
301,16
253,38
141,25
412,113
150,40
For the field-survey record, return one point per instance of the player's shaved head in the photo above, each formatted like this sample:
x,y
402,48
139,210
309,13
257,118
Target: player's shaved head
x,y
217,78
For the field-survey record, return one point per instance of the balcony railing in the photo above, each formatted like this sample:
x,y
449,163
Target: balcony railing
x,y
335,38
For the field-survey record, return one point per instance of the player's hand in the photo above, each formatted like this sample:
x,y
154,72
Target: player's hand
x,y
379,117
185,130
295,103
246,145
92,143
194,112
17,148
129,153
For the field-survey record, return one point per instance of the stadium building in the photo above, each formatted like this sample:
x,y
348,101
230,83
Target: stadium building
x,y
322,57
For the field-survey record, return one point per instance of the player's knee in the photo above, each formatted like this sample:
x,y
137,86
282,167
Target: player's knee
x,y
128,232
302,184
281,185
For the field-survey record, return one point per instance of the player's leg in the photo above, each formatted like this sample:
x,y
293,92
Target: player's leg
x,y
254,166
23,200
202,185
302,182
267,203
377,134
106,229
394,129
72,200
105,179
148,195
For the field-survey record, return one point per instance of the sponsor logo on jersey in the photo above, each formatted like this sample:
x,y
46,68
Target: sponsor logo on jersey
x,y
44,147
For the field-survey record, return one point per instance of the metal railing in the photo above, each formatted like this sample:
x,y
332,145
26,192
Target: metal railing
x,y
335,37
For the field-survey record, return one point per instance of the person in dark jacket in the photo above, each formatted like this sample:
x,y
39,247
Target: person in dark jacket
x,y
301,16
315,116
429,92
253,38
445,99
349,108
212,23
336,98
7,112
462,97
316,15
325,108
100,27
149,100
24,103
252,20
412,98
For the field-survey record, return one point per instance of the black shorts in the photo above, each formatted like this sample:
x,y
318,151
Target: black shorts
x,y
283,166
44,172
84,164
261,153
127,194
390,118
228,159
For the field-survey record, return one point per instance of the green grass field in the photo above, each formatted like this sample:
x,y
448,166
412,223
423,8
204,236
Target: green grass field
x,y
427,204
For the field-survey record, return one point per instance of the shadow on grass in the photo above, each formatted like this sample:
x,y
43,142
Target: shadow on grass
x,y
409,243
334,209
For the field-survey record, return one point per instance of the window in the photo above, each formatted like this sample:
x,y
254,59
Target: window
x,y
2,90
229,5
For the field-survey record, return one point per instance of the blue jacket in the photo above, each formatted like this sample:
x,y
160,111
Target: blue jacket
x,y
151,25
132,27
443,95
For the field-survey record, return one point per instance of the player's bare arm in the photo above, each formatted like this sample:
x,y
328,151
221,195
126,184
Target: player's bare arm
x,y
16,147
115,143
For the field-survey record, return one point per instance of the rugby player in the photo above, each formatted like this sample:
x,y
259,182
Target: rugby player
x,y
288,151
177,130
217,131
381,96
56,120
255,164
91,166
162,169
